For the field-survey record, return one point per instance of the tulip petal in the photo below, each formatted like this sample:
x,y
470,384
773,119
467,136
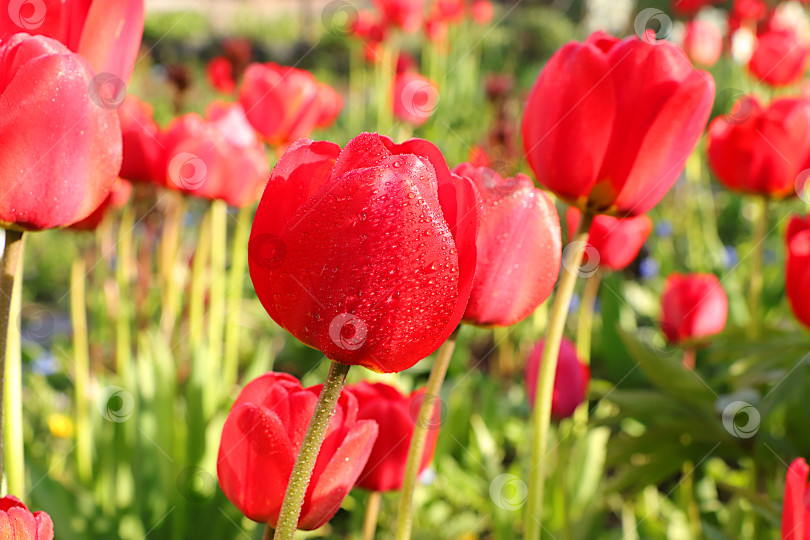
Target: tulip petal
x,y
330,487
255,460
794,511
566,134
111,36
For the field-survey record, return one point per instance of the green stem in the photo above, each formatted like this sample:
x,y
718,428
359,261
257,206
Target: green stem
x,y
170,250
755,290
585,321
236,279
81,357
197,300
541,416
370,519
420,432
691,508
11,456
216,309
123,276
268,533
563,461
310,447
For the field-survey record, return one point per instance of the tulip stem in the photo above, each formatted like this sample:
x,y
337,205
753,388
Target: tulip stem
x,y
11,267
584,330
541,416
372,511
268,533
419,437
308,454
755,290
81,357
236,283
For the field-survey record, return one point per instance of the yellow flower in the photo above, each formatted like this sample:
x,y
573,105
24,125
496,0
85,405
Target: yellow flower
x,y
60,425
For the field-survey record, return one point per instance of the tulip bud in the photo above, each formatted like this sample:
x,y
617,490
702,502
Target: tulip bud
x,y
143,152
396,415
519,248
761,150
61,149
260,441
796,506
614,242
609,124
367,253
779,58
18,522
415,98
570,381
797,269
693,307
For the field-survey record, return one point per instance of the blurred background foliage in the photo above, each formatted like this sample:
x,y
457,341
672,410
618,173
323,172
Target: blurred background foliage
x,y
656,460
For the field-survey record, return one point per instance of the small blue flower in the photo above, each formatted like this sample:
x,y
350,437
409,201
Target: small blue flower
x,y
649,268
663,228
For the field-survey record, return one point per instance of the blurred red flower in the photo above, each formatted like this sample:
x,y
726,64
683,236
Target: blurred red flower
x,y
609,124
415,98
796,506
405,14
703,42
780,57
396,415
61,149
282,103
18,523
693,306
106,32
570,381
797,271
143,159
761,150
219,72
616,241
367,253
519,248
261,439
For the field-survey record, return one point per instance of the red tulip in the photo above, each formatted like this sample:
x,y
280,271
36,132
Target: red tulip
x,y
761,150
797,278
218,157
751,10
796,507
415,98
395,415
482,11
436,29
280,102
260,441
61,151
478,156
693,306
690,7
366,254
219,72
406,14
18,523
570,381
449,10
330,103
519,248
779,58
117,198
609,124
143,150
617,242
703,42
106,32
